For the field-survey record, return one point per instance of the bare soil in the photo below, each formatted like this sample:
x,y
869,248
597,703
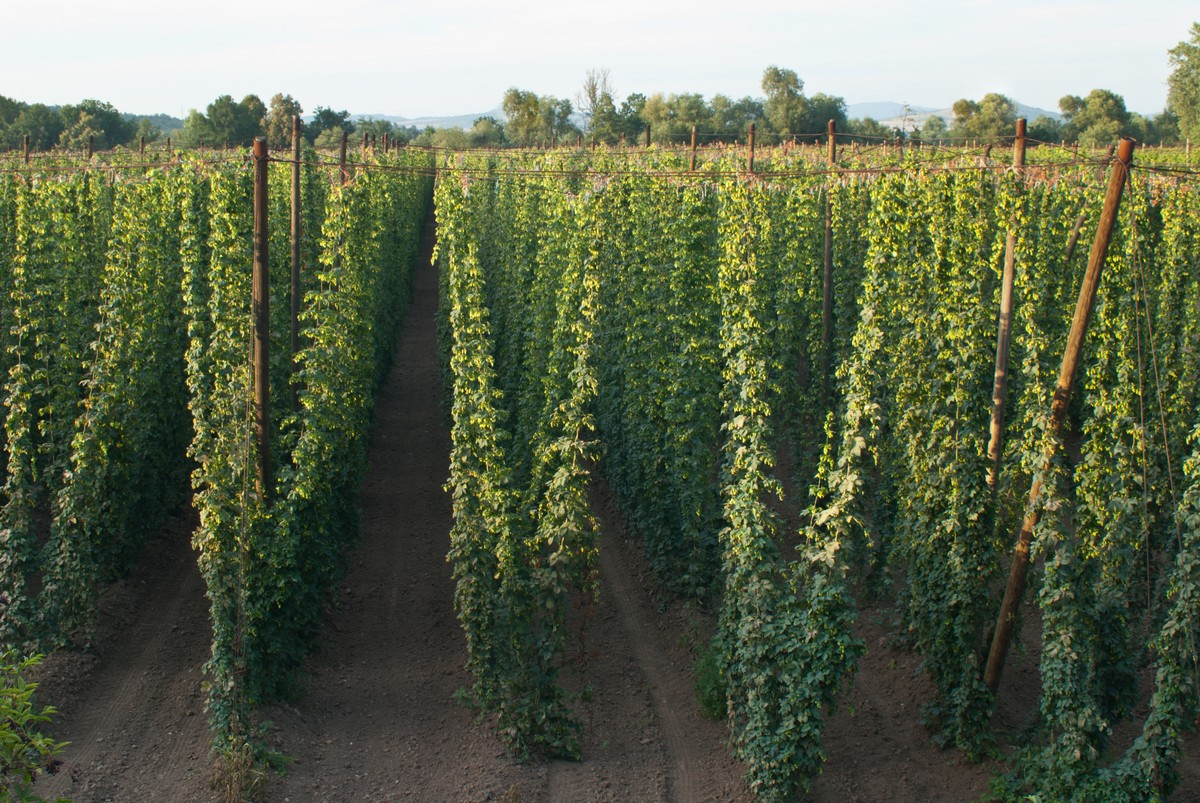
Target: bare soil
x,y
378,717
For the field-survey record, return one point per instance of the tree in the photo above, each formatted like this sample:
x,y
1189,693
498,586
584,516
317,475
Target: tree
x,y
98,120
195,132
375,128
486,132
591,96
991,119
731,119
1045,129
656,113
325,119
869,128
629,118
536,121
595,104
1098,119
524,121
1161,129
821,109
9,109
147,131
453,138
278,122
671,117
43,125
1183,85
224,123
606,120
786,107
330,139
555,115
934,130
234,124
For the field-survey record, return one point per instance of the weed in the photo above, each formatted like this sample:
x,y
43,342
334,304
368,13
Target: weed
x,y
710,686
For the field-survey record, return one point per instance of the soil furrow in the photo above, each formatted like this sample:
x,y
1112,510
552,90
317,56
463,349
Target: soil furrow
x,y
133,710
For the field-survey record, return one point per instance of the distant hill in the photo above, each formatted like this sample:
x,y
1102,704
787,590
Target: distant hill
x,y
884,110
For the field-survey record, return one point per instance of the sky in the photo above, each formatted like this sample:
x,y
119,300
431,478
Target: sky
x,y
431,58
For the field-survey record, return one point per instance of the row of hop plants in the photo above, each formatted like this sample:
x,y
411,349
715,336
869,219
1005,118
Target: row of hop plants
x,y
126,301
710,362
272,556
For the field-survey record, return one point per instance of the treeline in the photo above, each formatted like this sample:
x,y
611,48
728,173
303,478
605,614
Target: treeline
x,y
783,113
227,122
224,123
71,126
1096,120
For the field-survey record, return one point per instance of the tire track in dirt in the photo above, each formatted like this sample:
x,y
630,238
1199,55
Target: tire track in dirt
x,y
699,766
624,757
135,718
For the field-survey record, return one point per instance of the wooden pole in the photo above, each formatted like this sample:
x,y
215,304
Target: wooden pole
x,y
342,159
1074,239
1058,410
261,311
142,146
647,135
750,160
1004,335
827,278
26,149
296,290
692,167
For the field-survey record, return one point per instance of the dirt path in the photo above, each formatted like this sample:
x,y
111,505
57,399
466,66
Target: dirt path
x,y
379,720
133,708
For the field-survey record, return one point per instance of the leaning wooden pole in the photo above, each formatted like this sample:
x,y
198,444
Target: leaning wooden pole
x,y
261,312
295,286
1074,238
1058,409
1004,334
